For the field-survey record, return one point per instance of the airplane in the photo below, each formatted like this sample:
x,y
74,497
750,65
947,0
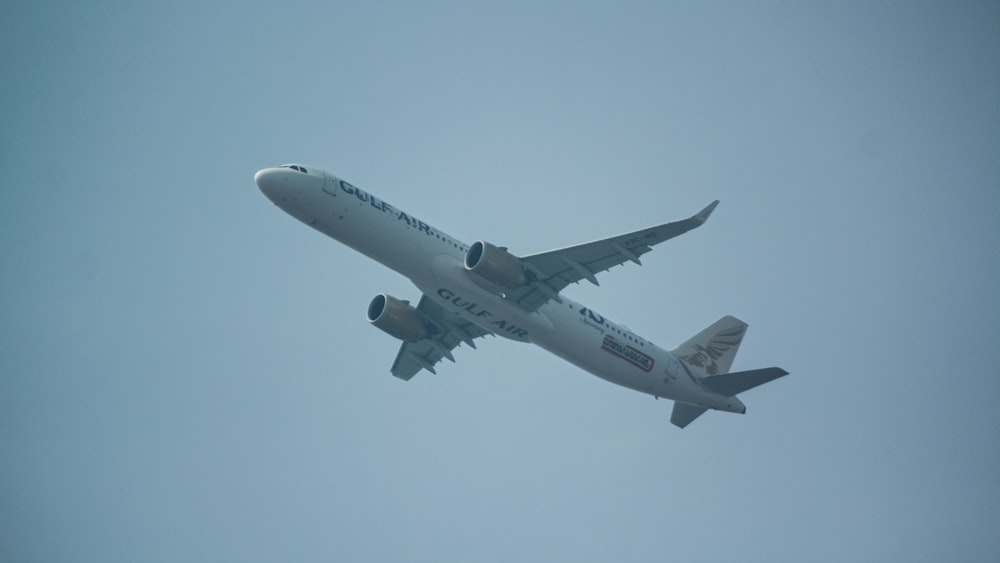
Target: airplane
x,y
469,291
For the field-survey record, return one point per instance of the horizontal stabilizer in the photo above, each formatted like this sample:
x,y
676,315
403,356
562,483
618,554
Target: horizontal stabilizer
x,y
731,384
684,414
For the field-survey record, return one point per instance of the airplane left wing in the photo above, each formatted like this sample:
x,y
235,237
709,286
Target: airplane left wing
x,y
550,272
448,330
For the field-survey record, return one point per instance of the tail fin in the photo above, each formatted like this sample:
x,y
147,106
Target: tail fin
x,y
709,355
711,351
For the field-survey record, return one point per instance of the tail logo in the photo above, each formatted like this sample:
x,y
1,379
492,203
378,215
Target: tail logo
x,y
706,356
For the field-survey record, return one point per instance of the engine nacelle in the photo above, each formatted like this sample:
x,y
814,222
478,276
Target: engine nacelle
x,y
494,264
397,318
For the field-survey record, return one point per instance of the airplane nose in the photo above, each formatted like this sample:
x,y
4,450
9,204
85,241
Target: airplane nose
x,y
268,180
285,185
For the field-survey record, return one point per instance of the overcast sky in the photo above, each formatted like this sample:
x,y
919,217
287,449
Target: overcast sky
x,y
186,373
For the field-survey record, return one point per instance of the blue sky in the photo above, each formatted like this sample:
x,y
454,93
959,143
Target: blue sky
x,y
187,374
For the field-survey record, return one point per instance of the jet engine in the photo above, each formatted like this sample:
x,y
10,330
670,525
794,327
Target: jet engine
x,y
494,264
397,318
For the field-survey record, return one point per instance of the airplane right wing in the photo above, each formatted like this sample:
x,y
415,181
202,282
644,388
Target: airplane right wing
x,y
550,272
447,330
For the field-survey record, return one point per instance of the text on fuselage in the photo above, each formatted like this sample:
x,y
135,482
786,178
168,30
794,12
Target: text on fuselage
x,y
476,310
384,207
627,353
594,320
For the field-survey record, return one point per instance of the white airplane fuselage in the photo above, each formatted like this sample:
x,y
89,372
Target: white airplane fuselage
x,y
435,262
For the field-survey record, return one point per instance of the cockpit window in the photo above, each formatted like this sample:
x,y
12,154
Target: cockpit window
x,y
301,169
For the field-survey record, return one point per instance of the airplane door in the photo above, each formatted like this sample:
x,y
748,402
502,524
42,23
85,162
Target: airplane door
x,y
329,186
673,369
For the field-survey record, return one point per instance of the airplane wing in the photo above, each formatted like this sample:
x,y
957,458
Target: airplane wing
x,y
447,331
550,272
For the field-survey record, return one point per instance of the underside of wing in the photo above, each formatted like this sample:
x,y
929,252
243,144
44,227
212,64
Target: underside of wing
x,y
550,272
448,331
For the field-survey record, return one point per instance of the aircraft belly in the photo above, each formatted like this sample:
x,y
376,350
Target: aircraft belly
x,y
450,286
377,237
642,368
488,312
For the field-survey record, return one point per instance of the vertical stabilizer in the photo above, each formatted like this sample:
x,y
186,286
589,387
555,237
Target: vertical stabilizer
x,y
711,351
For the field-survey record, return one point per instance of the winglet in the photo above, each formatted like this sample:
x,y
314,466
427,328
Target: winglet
x,y
702,216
